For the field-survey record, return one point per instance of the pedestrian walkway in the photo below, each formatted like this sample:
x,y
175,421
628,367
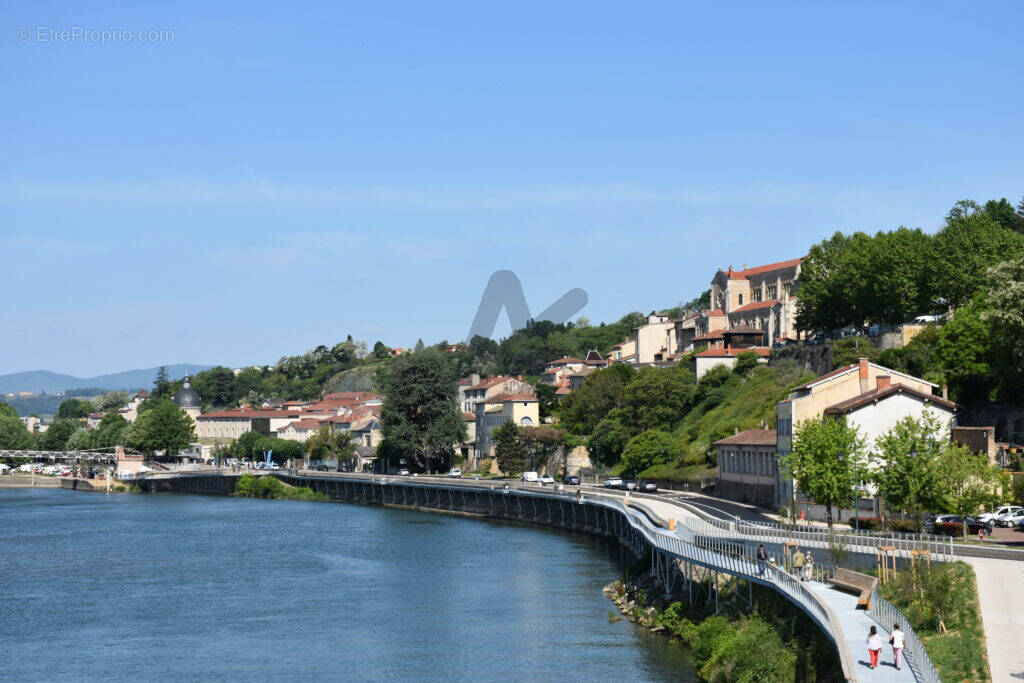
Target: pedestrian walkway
x,y
1001,594
855,626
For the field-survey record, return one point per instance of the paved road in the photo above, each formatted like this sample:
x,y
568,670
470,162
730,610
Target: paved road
x,y
1001,594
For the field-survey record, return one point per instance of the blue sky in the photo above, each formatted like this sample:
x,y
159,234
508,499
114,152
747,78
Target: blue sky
x,y
279,175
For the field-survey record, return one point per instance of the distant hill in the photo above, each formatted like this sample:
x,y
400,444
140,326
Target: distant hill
x,y
44,381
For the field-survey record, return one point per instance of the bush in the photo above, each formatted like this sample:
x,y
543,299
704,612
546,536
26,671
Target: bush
x,y
905,526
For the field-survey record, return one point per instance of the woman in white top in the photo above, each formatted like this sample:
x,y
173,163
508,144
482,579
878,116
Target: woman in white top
x,y
896,640
808,566
874,646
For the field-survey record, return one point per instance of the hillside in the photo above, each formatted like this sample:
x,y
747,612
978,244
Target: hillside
x,y
738,404
44,381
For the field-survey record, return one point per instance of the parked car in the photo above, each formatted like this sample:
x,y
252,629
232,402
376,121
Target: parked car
x,y
628,485
648,487
323,468
571,480
929,525
613,483
529,477
403,472
546,479
343,468
1010,518
455,473
974,524
997,513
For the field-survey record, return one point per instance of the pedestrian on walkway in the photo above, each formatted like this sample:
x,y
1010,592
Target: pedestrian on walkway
x,y
809,567
798,561
762,557
896,638
874,646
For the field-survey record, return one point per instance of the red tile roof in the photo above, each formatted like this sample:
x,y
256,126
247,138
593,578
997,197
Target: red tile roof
x,y
564,361
875,395
751,437
469,417
743,274
732,352
714,334
827,376
309,423
755,305
743,329
504,398
248,413
489,382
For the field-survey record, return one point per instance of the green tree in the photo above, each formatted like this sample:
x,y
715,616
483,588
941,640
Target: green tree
x,y
1002,213
247,446
608,440
1005,314
546,399
73,409
657,398
381,351
964,250
109,401
745,362
910,477
164,428
971,482
965,355
217,387
510,449
542,443
7,411
55,438
111,431
421,419
699,303
281,450
13,435
827,462
652,447
848,350
601,392
161,385
329,445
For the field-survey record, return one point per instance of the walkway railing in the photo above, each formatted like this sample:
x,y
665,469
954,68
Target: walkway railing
x,y
886,615
720,558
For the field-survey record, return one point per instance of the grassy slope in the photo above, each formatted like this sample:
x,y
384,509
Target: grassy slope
x,y
958,654
739,404
362,378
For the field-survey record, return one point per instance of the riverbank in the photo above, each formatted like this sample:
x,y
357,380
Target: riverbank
x,y
766,639
28,482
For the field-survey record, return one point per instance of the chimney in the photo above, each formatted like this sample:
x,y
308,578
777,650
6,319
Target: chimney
x,y
863,366
475,379
945,391
883,382
730,270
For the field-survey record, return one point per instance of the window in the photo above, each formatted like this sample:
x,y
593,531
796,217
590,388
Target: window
x,y
526,422
755,294
741,299
773,291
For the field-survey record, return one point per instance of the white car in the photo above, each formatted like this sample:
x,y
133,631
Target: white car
x,y
403,472
455,473
995,514
546,479
613,483
1011,517
530,477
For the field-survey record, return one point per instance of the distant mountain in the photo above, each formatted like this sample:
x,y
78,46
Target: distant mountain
x,y
44,381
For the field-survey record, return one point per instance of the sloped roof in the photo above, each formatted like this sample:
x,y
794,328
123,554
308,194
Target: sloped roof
x,y
869,397
732,352
757,270
751,437
754,306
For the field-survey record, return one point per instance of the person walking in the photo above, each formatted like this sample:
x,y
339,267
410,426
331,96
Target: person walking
x,y
762,558
874,646
798,562
809,567
896,638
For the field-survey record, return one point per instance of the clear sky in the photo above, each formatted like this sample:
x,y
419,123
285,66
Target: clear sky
x,y
279,175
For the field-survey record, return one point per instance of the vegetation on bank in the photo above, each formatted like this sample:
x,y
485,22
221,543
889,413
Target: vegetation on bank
x,y
772,643
251,486
940,600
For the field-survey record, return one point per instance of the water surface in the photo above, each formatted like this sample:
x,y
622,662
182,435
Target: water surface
x,y
176,587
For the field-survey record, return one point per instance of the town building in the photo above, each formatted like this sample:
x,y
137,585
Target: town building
x,y
489,387
519,408
653,340
763,297
188,400
623,352
748,469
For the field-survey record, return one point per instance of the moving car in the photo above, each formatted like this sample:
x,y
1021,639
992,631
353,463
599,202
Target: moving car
x,y
529,477
455,473
628,485
613,483
546,479
571,480
403,472
648,487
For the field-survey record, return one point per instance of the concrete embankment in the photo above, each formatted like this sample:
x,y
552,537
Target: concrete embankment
x,y
30,483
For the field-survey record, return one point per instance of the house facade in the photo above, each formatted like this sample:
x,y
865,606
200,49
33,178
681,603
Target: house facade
x,y
748,470
763,297
521,409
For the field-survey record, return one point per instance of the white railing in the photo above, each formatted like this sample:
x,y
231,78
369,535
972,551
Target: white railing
x,y
886,615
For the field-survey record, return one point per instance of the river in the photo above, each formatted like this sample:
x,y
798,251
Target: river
x,y
176,587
